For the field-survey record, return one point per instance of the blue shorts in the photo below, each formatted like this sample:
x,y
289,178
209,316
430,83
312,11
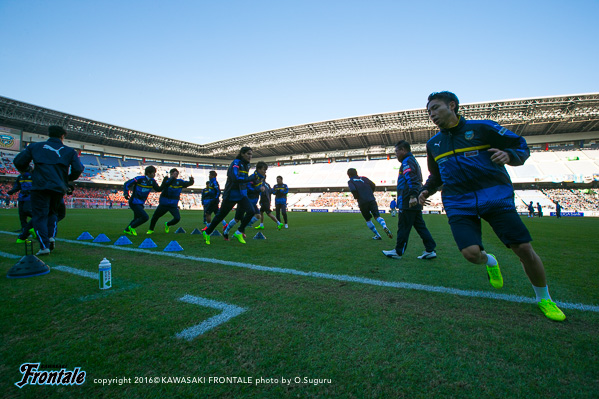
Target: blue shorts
x,y
507,225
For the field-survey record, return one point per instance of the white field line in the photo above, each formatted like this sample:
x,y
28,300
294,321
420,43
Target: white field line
x,y
342,277
228,312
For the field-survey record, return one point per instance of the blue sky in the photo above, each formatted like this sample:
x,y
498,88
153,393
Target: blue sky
x,y
202,71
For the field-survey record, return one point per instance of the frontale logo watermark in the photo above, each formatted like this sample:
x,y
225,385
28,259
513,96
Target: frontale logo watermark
x,y
32,376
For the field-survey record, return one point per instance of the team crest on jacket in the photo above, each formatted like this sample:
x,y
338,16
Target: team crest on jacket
x,y
469,135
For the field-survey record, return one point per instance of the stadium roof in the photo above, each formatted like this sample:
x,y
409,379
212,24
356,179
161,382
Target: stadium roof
x,y
527,117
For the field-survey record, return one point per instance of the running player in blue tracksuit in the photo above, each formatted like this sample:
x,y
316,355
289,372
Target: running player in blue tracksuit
x,y
255,187
169,200
23,187
140,187
467,158
235,194
211,198
55,165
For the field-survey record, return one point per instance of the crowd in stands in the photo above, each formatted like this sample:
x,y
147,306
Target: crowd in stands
x,y
575,200
6,165
571,200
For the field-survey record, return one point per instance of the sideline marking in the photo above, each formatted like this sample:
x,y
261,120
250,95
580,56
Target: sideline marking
x,y
345,278
228,312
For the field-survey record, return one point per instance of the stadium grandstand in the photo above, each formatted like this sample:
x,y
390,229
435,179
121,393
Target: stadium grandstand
x,y
562,132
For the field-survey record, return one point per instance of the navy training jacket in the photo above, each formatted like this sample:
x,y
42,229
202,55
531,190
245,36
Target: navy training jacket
x,y
22,186
52,161
458,158
140,187
171,191
362,189
237,179
409,182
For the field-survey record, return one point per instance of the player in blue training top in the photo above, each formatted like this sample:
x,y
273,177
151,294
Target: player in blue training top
x,y
235,194
169,200
255,187
23,187
265,207
281,190
211,198
393,207
363,190
467,158
531,209
409,183
558,209
55,165
140,187
206,199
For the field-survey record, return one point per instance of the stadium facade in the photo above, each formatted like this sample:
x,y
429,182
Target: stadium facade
x,y
544,120
558,129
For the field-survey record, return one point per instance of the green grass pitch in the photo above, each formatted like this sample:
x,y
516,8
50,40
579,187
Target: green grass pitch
x,y
325,336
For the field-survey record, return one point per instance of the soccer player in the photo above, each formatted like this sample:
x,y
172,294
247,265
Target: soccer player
x,y
52,162
409,183
211,197
169,200
467,158
265,207
531,210
539,209
140,187
558,209
393,207
255,186
281,190
235,193
23,187
363,190
206,201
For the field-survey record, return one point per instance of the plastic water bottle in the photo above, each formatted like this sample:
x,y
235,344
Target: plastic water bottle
x,y
105,274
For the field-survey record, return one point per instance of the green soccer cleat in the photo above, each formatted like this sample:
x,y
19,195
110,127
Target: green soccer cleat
x,y
239,237
388,232
166,227
150,232
280,226
206,236
551,310
494,274
32,231
131,231
19,241
259,227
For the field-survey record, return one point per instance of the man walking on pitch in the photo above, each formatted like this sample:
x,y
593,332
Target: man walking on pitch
x,y
363,190
169,200
52,161
393,207
281,190
141,187
409,183
467,158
